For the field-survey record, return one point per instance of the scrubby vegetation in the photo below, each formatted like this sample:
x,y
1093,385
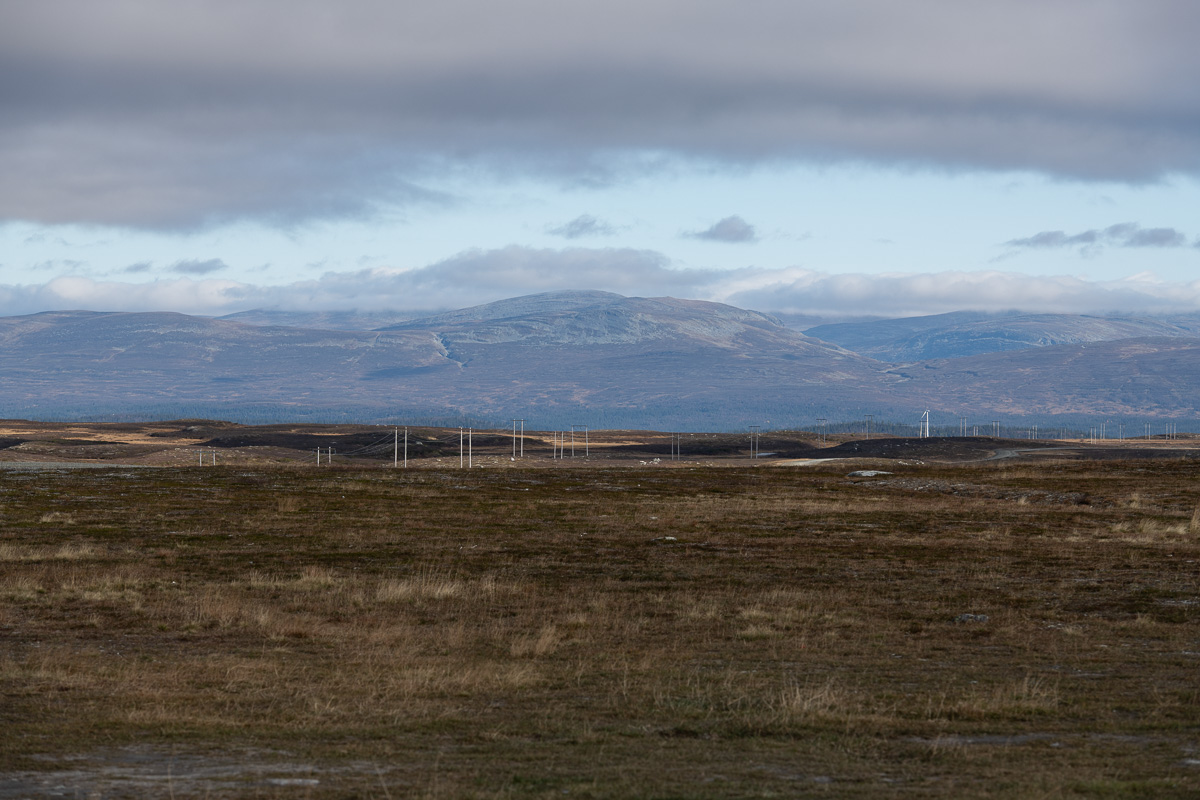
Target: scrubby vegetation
x,y
632,631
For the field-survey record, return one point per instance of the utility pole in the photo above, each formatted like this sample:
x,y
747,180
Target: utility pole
x,y
395,447
869,416
821,430
470,448
514,422
406,447
460,447
754,441
586,447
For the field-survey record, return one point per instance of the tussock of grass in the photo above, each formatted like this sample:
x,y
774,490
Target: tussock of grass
x,y
825,700
1009,699
65,552
1152,530
545,642
430,586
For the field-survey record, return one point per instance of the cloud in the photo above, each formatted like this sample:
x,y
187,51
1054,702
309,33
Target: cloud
x,y
469,278
899,295
1156,237
59,264
581,226
1054,239
1124,234
198,267
138,268
731,229
481,276
185,295
184,116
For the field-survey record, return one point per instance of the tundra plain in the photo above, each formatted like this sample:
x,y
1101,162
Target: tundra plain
x,y
602,627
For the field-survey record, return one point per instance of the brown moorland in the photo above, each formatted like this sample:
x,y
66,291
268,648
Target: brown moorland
x,y
1004,628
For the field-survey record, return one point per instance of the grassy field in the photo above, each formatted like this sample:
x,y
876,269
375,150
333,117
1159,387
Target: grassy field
x,y
997,630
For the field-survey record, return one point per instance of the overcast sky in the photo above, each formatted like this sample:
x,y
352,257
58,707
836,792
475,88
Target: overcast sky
x,y
845,157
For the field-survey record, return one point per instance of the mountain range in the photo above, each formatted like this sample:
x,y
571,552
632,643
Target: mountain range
x,y
596,359
964,333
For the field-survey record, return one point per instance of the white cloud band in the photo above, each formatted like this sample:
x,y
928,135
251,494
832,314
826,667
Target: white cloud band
x,y
482,276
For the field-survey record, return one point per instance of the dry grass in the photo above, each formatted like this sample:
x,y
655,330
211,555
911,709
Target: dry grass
x,y
63,552
526,634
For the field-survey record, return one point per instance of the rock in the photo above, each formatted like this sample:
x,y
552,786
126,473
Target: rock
x,y
963,618
867,473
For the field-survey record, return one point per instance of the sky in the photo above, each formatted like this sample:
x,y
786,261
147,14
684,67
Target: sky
x,y
835,159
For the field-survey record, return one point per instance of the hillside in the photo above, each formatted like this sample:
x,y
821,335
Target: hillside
x,y
1141,378
587,358
963,334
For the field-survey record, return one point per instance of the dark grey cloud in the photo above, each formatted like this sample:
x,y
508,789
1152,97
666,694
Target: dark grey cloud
x,y
731,229
286,110
1124,234
192,267
1055,239
1156,237
138,268
582,226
